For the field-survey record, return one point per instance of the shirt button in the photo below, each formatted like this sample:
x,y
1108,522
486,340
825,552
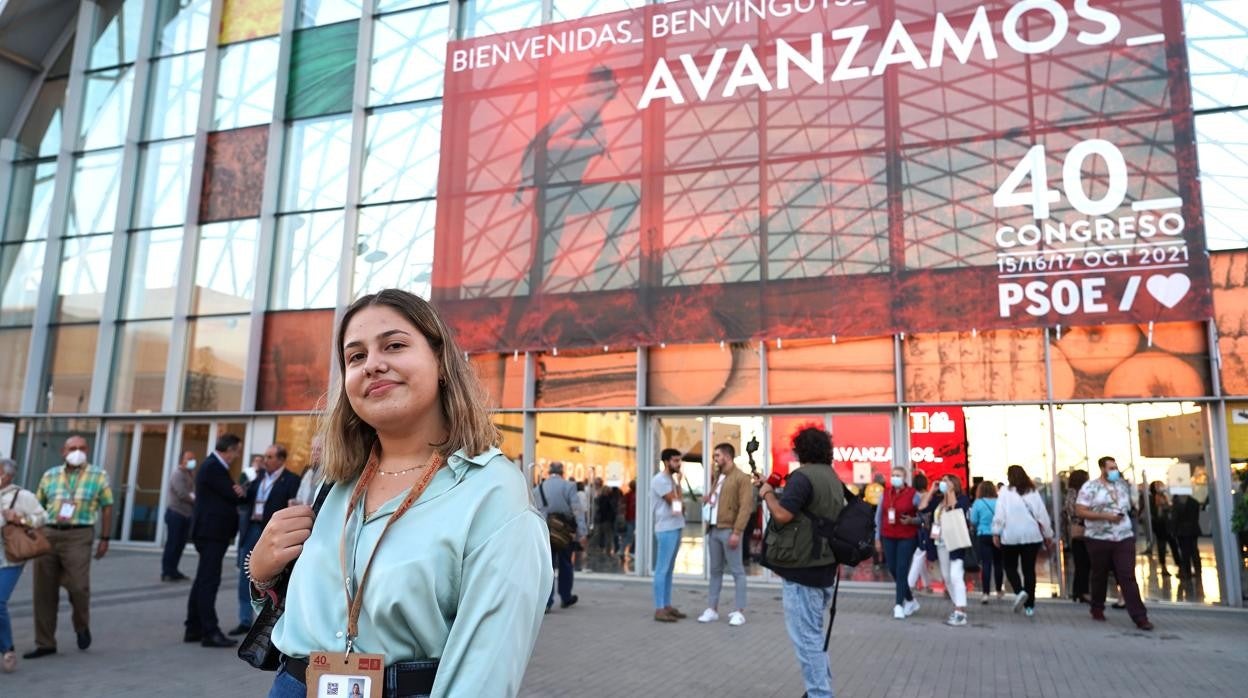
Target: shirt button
x,y
337,634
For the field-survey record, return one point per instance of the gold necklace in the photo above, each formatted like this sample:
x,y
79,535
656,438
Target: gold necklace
x,y
400,472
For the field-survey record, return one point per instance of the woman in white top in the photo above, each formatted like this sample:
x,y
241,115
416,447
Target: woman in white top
x,y
1019,527
18,506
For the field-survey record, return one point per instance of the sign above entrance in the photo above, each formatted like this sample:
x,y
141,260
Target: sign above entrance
x,y
744,169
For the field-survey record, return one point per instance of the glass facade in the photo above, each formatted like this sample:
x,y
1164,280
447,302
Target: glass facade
x,y
184,259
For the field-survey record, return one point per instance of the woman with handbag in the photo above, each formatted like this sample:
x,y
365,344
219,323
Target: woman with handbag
x,y
427,560
949,531
1075,529
1020,526
20,509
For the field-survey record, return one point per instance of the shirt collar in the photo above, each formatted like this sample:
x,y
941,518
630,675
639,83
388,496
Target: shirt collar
x,y
459,461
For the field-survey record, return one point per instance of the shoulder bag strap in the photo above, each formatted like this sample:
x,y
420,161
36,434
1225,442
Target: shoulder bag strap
x,y
320,497
836,589
541,489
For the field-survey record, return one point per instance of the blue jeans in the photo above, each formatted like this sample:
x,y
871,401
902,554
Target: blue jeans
x,y
563,560
8,580
177,531
245,545
803,617
898,554
287,686
664,565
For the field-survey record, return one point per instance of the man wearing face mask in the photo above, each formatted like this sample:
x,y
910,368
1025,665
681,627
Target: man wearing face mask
x,y
75,495
1105,506
178,517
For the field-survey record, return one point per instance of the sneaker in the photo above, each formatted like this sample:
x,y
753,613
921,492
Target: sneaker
x,y
1019,600
956,618
10,662
910,608
985,598
663,616
1000,593
1029,612
898,612
736,618
710,615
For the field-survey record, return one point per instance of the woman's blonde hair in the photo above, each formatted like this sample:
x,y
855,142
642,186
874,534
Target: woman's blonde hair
x,y
348,439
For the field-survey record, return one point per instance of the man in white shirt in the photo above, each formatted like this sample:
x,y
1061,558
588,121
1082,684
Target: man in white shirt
x,y
669,520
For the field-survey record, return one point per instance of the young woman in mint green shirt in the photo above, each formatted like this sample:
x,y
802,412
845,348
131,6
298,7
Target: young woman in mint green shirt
x,y
458,583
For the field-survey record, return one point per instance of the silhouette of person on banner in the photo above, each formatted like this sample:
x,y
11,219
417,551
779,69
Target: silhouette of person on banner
x,y
553,166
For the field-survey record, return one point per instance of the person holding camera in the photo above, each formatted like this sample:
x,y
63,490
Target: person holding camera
x,y
557,496
669,520
813,488
1104,504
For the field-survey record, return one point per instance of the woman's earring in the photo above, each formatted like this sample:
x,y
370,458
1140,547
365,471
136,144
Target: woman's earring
x,y
441,382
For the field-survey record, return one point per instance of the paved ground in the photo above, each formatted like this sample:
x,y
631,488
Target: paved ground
x,y
608,646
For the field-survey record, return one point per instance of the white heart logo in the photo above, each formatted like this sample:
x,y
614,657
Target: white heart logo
x,y
1169,290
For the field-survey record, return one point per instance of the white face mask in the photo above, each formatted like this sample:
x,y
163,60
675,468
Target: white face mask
x,y
190,464
75,458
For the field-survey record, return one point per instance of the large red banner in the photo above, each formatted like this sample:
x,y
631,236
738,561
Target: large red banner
x,y
731,170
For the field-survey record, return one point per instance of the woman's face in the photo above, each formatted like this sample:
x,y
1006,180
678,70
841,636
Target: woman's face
x,y
391,375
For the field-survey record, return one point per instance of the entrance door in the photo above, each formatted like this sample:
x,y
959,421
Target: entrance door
x,y
135,454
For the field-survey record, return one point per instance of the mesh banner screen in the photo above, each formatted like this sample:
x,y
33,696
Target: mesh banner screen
x,y
744,169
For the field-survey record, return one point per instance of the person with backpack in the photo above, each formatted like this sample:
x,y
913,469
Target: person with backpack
x,y
556,497
801,557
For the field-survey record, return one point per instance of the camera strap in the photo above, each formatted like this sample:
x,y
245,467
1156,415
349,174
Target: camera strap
x,y
836,588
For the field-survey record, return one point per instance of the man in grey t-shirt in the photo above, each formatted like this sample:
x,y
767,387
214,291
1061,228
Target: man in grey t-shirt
x,y
558,496
669,519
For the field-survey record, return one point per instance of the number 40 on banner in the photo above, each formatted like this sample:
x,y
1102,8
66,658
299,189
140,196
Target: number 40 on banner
x,y
1041,197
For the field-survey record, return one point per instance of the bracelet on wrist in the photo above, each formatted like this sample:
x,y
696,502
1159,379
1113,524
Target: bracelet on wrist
x,y
260,586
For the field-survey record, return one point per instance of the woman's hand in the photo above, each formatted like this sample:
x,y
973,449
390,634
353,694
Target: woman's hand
x,y
996,541
281,542
11,516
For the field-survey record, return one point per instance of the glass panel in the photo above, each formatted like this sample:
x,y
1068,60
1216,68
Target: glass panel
x,y
313,13
502,376
225,270
576,9
384,6
249,19
30,203
704,374
511,427
234,164
409,52
593,446
820,371
216,363
21,271
106,109
138,380
306,261
182,25
1229,271
117,33
315,177
246,84
737,431
41,134
166,179
1217,40
173,109
119,445
296,433
84,275
712,230
587,378
1222,151
46,436
195,439
93,205
685,435
294,360
322,70
14,348
401,160
483,17
394,248
71,363
1122,361
1002,365
151,279
147,482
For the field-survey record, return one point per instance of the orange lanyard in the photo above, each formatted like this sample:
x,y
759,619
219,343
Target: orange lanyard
x,y
355,603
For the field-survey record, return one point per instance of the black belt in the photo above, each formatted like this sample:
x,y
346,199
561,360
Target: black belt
x,y
70,527
403,679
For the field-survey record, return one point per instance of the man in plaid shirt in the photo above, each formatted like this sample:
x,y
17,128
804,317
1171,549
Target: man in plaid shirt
x,y
75,495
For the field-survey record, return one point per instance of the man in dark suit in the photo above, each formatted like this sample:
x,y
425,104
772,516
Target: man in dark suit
x,y
273,489
213,525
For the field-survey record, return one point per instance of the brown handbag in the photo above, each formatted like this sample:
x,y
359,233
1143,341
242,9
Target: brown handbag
x,y
22,543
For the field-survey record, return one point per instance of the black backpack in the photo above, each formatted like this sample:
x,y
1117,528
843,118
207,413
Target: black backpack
x,y
851,536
